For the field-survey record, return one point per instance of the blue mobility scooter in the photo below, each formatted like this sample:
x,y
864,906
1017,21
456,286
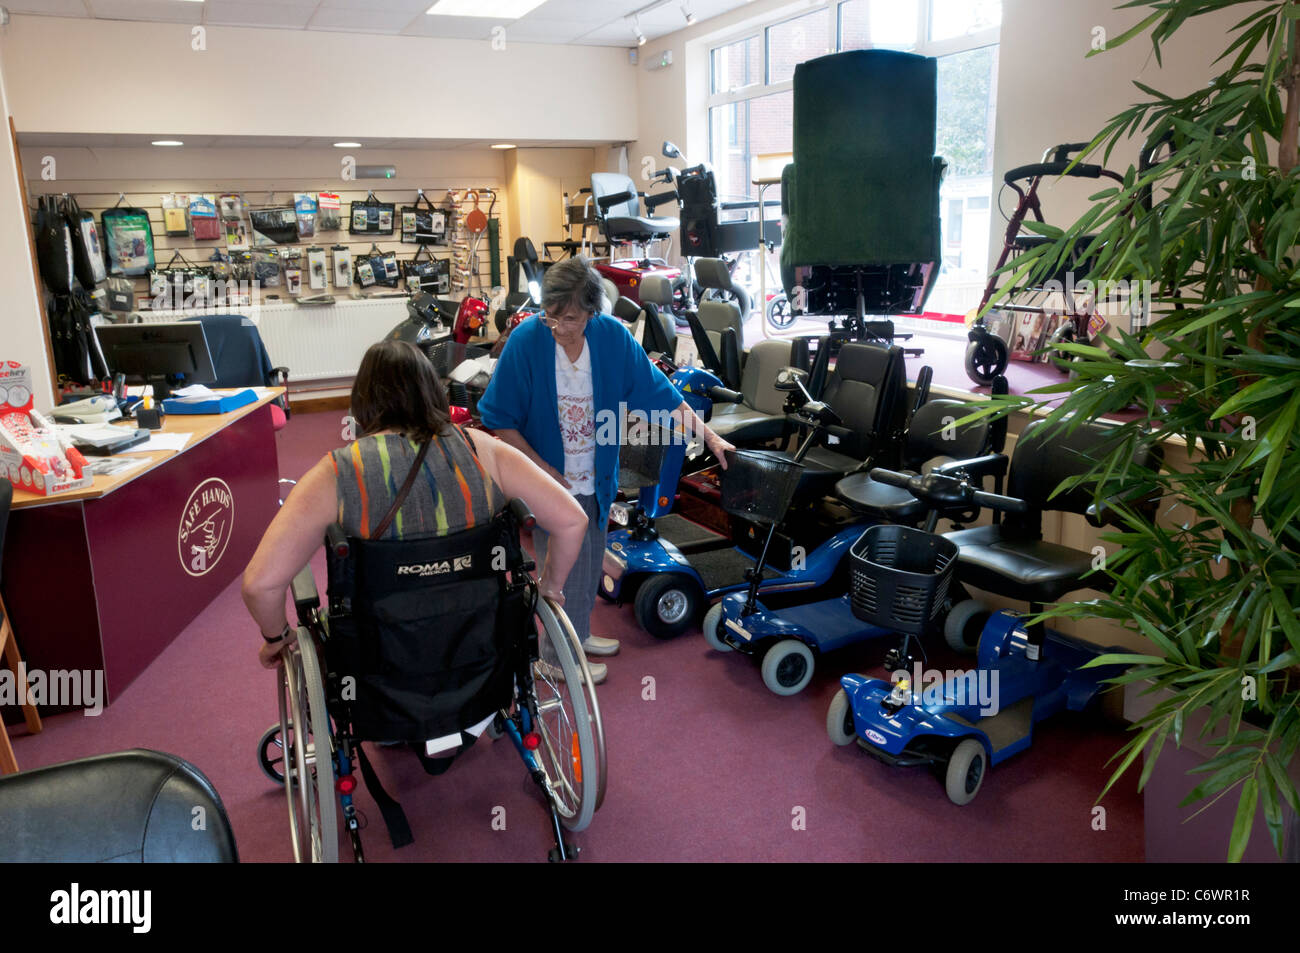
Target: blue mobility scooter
x,y
969,721
674,565
789,638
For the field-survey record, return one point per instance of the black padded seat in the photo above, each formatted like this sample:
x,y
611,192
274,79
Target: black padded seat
x,y
761,417
890,503
1030,569
127,807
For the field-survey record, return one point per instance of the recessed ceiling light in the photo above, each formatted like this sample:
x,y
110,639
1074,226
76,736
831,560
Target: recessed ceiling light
x,y
497,9
503,145
347,145
168,142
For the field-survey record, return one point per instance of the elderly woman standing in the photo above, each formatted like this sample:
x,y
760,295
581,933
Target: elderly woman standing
x,y
560,375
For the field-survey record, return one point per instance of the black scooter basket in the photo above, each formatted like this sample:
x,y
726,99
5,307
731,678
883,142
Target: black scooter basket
x,y
900,577
758,485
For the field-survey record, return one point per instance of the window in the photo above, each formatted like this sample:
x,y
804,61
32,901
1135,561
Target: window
x,y
792,42
751,107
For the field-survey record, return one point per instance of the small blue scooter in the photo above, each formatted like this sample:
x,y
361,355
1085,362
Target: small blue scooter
x,y
676,577
961,723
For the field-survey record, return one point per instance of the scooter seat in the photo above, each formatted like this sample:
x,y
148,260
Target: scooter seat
x,y
1030,569
889,503
822,469
736,422
638,227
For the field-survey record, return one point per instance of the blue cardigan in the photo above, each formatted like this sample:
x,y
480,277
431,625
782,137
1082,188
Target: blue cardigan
x,y
522,393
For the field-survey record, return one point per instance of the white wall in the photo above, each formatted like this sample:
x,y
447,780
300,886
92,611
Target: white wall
x,y
102,76
22,336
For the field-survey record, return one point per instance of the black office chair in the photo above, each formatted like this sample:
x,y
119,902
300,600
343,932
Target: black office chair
x,y
618,211
137,806
241,360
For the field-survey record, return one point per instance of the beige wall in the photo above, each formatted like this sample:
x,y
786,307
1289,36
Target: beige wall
x,y
127,77
1050,91
536,181
22,337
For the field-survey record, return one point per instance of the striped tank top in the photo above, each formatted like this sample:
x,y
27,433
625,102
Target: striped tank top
x,y
455,494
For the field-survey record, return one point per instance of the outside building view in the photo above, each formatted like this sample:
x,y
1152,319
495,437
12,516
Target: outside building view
x,y
752,103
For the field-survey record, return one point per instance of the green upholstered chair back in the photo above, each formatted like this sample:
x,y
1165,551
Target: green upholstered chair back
x,y
867,188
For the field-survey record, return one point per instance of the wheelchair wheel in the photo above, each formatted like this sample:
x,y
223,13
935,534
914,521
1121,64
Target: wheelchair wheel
x,y
986,358
572,751
308,756
779,313
271,754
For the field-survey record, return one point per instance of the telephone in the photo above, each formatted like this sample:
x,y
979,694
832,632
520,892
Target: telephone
x,y
93,410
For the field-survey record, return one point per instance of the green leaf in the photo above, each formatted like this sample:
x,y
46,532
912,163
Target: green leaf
x,y
1245,818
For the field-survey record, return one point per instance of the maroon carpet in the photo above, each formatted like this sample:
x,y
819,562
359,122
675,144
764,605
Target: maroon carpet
x,y
714,768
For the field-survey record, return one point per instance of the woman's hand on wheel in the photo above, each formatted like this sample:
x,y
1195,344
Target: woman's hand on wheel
x,y
269,654
549,590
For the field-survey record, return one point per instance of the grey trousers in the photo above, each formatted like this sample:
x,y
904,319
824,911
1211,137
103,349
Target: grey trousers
x,y
580,587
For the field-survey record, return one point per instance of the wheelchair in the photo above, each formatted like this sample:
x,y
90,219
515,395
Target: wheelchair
x,y
430,642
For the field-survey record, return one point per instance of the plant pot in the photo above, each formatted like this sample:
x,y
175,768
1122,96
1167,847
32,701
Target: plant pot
x,y
1170,836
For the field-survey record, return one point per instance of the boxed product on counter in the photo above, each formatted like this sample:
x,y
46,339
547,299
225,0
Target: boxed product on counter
x,y
32,457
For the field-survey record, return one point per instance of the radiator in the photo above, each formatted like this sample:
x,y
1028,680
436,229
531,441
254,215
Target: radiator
x,y
315,343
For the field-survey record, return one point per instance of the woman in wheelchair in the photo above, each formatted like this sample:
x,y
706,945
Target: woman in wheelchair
x,y
400,408
434,629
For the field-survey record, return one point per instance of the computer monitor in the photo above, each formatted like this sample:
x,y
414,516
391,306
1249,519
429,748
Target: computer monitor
x,y
158,354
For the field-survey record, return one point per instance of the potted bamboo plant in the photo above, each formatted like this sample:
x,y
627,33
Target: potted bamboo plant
x,y
1211,575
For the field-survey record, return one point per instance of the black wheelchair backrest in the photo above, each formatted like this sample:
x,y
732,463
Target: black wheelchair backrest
x,y
868,390
428,628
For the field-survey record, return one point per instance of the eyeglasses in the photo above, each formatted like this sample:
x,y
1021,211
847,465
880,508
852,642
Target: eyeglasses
x,y
568,320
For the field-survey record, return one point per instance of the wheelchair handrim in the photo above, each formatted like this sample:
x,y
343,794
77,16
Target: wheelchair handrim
x,y
593,706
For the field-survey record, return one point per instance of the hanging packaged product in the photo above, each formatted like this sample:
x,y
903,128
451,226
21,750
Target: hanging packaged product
x,y
204,224
365,273
231,205
329,211
128,239
266,267
293,280
236,234
87,252
316,268
274,225
342,267
372,217
423,223
426,273
121,295
53,245
174,208
304,206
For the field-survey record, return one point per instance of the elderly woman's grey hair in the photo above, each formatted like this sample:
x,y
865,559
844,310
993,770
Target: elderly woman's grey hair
x,y
573,282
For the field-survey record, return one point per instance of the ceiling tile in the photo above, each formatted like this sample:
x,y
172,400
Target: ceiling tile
x,y
386,6
367,20
257,13
49,8
162,11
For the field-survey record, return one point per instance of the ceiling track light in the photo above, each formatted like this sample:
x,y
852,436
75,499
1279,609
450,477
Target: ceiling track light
x,y
636,28
687,12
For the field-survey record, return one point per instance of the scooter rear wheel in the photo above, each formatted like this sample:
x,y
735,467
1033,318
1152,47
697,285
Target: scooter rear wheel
x,y
965,774
965,622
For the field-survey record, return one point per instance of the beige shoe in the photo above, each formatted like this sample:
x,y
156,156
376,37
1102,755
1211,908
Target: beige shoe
x,y
599,671
597,646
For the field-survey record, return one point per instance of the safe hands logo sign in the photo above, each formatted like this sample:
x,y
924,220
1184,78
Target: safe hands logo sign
x,y
207,523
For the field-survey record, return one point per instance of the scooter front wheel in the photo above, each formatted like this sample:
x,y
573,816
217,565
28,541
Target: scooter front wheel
x,y
839,720
667,604
713,629
965,772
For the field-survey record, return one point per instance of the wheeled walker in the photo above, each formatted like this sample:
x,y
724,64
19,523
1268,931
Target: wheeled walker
x,y
429,643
